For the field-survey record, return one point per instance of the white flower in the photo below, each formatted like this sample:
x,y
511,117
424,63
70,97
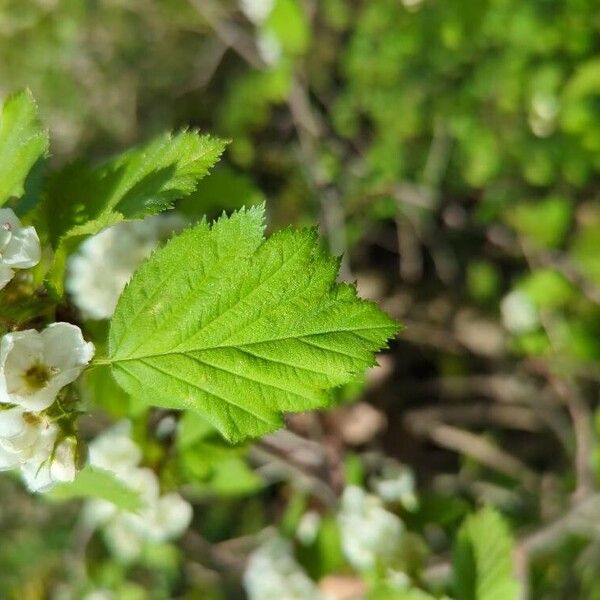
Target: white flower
x,y
269,47
99,595
273,574
412,5
167,519
28,441
308,527
20,434
543,113
257,11
519,313
53,463
397,485
370,534
105,262
19,246
398,580
161,518
35,366
115,451
124,543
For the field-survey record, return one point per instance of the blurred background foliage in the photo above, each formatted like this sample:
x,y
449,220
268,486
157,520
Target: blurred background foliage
x,y
451,150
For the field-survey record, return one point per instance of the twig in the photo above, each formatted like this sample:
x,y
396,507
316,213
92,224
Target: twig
x,y
231,36
477,447
510,417
308,129
277,467
581,415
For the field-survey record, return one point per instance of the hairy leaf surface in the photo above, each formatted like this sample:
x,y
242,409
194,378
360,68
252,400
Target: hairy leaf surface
x,y
240,328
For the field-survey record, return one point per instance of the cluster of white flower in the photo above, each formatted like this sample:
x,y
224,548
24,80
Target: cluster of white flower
x,y
273,574
162,517
370,534
34,367
105,262
19,246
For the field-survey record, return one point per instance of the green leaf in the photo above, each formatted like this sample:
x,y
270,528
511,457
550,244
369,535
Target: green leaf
x,y
193,428
384,592
241,329
545,221
548,288
208,462
585,250
289,24
22,142
98,483
82,200
482,558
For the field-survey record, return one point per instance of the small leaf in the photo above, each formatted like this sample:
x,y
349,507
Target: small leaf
x,y
22,142
98,483
82,200
548,288
241,329
545,221
482,558
290,25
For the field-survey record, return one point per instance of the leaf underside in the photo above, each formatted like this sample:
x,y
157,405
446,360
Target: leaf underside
x,y
240,328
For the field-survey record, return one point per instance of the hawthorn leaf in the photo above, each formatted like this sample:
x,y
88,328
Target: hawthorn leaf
x,y
22,142
92,482
81,200
482,559
242,329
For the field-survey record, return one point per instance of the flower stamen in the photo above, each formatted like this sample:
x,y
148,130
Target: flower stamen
x,y
36,377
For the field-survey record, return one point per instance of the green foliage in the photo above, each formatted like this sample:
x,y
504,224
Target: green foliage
x,y
460,138
390,593
92,482
585,248
241,329
288,23
548,289
23,141
546,221
212,465
482,559
82,200
483,281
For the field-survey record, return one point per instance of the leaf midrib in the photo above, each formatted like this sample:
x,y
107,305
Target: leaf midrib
x,y
240,346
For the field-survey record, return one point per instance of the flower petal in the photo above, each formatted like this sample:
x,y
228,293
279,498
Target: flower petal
x,y
23,250
6,274
65,349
